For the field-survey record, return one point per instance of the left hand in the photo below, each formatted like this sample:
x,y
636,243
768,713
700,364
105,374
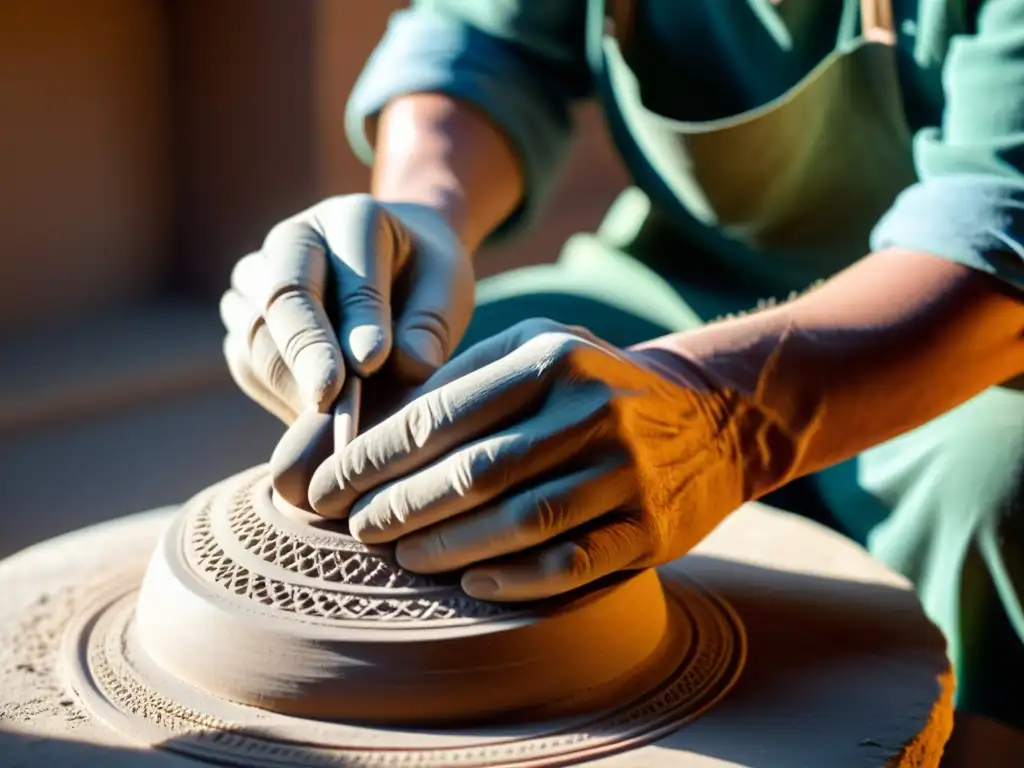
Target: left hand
x,y
542,459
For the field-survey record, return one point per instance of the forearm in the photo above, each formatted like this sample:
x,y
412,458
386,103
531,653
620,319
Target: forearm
x,y
884,347
434,150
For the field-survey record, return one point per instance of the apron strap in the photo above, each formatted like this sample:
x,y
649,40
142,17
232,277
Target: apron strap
x,y
876,21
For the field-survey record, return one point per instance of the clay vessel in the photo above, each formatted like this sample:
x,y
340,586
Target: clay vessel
x,y
256,602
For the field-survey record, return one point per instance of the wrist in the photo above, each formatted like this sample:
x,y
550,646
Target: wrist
x,y
434,150
445,200
766,420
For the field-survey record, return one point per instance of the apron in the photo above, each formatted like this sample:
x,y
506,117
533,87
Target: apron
x,y
778,197
785,194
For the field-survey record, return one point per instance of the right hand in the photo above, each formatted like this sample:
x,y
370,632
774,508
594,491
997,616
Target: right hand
x,y
316,301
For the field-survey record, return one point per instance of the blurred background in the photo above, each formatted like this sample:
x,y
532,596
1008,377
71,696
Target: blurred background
x,y
146,145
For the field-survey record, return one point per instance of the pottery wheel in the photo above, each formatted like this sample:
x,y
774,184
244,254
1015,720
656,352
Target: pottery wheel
x,y
255,636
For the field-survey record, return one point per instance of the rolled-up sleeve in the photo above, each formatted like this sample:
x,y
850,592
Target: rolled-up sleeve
x,y
520,62
968,205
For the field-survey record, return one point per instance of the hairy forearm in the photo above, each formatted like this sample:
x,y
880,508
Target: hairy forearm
x,y
434,150
889,344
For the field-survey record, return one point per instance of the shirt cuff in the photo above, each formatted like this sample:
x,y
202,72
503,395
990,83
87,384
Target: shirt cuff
x,y
975,220
424,52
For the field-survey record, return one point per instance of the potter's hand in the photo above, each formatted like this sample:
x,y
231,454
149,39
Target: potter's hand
x,y
317,299
566,458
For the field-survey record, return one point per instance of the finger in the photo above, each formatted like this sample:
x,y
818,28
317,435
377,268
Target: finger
x,y
490,350
324,485
324,490
612,544
238,314
437,310
295,266
300,451
248,277
435,423
479,472
519,522
368,249
269,365
242,319
236,353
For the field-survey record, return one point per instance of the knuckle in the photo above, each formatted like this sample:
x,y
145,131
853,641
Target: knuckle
x,y
275,372
428,319
287,231
535,513
336,206
487,472
437,543
306,339
421,421
362,297
465,472
537,326
568,561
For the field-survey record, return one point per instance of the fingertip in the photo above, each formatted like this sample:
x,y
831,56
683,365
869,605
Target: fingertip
x,y
326,496
367,348
319,373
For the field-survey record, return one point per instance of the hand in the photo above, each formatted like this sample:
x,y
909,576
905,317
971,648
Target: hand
x,y
542,459
342,265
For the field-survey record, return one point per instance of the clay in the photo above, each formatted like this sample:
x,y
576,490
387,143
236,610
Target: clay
x,y
307,442
236,582
775,666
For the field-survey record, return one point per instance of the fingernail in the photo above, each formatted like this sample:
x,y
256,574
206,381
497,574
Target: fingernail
x,y
368,345
480,586
317,371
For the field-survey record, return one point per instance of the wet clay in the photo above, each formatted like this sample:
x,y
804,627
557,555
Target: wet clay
x,y
235,584
781,644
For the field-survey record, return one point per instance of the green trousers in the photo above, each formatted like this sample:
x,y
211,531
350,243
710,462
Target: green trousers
x,y
941,504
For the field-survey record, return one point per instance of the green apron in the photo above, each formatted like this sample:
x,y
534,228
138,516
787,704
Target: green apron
x,y
789,191
766,203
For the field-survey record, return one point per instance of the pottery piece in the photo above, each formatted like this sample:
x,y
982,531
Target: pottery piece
x,y
257,635
248,602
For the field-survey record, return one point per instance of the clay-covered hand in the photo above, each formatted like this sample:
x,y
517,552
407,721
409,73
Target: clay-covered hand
x,y
542,459
350,283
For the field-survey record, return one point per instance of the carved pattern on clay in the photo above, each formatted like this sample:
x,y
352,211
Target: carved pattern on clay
x,y
345,568
101,658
